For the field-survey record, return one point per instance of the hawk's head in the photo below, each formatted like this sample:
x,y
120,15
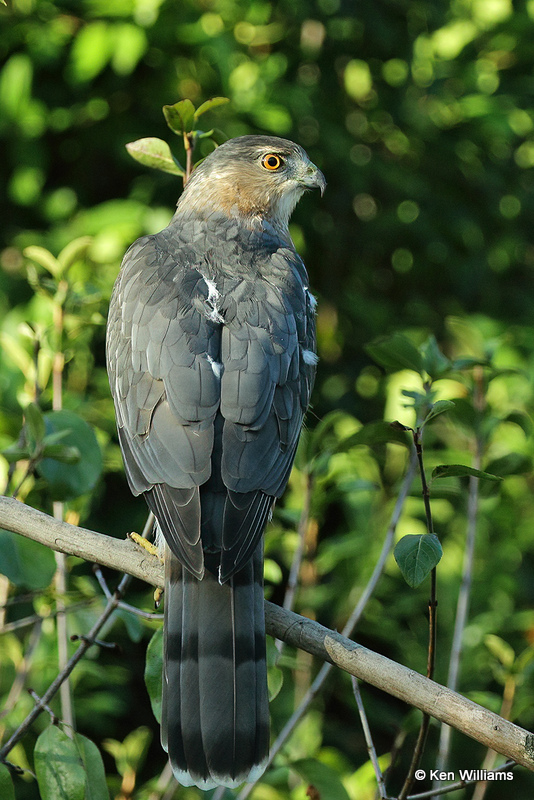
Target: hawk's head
x,y
251,177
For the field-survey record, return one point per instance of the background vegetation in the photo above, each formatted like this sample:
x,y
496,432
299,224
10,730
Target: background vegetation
x,y
420,115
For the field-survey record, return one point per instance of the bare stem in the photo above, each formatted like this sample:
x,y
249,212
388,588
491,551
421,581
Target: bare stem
x,y
189,144
23,670
369,739
292,583
67,711
462,607
432,614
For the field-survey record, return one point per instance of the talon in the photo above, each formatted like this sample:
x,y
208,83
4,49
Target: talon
x,y
158,594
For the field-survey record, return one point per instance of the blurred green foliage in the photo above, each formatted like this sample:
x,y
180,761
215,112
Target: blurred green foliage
x,y
420,114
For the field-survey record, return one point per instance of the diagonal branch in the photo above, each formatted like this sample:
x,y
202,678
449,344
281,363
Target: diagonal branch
x,y
475,721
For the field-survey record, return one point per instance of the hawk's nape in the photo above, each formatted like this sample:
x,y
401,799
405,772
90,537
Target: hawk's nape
x,y
211,359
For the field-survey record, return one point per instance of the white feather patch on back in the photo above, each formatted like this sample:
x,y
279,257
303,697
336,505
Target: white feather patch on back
x,y
216,367
213,299
309,357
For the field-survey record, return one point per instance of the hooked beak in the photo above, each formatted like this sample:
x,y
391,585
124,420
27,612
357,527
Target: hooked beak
x,y
313,178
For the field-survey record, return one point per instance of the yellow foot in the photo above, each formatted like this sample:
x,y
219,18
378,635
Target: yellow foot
x,y
145,544
154,551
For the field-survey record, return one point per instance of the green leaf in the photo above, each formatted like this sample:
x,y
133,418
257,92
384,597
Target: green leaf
x,y
218,136
20,357
33,417
91,51
523,420
379,432
66,481
43,257
435,363
54,438
461,471
73,252
465,414
155,153
467,362
16,87
132,622
7,790
395,352
62,453
510,464
416,556
439,407
95,786
58,766
500,649
204,134
130,754
325,779
275,681
210,104
180,117
153,671
14,453
25,562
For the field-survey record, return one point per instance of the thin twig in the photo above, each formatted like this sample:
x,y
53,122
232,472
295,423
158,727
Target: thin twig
x,y
462,607
30,469
60,580
166,784
73,661
45,707
416,757
292,583
369,739
153,616
102,581
21,441
432,611
396,748
23,670
462,610
9,627
189,145
150,615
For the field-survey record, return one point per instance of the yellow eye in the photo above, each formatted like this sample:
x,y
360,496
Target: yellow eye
x,y
271,162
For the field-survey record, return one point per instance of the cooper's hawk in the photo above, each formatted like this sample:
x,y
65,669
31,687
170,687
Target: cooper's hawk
x,y
211,360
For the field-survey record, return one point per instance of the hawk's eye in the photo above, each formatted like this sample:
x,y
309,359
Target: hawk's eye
x,y
271,162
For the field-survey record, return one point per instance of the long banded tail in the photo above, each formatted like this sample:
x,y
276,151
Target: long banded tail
x,y
215,723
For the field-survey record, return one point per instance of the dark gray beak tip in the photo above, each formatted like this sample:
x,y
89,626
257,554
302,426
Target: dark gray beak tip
x,y
316,180
319,181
